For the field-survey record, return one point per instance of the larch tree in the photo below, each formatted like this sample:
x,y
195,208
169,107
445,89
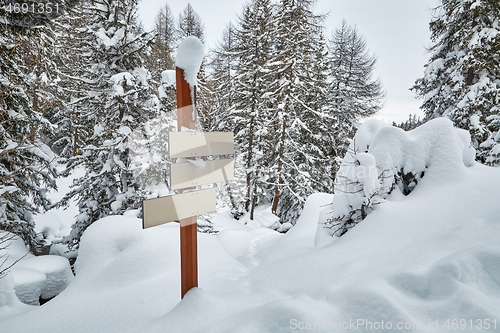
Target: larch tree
x,y
293,118
221,77
162,49
250,114
160,60
354,92
219,97
290,114
190,24
462,78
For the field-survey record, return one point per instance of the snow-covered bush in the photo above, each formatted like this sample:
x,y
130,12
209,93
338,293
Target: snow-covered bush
x,y
4,239
358,188
383,158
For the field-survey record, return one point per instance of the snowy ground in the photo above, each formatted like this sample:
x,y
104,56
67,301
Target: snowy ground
x,y
428,262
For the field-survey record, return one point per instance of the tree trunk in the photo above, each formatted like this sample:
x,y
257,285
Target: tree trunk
x,y
75,143
470,72
280,168
252,210
249,162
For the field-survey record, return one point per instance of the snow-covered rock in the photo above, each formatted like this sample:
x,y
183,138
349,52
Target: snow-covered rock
x,y
28,284
55,270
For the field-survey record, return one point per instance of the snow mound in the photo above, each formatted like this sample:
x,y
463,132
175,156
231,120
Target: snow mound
x,y
476,269
28,284
34,277
263,217
436,148
429,257
302,236
115,252
383,158
56,270
189,57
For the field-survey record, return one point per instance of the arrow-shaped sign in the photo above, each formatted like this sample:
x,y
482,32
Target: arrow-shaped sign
x,y
186,174
193,144
176,207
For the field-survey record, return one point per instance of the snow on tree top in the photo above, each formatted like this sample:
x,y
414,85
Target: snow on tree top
x,y
189,56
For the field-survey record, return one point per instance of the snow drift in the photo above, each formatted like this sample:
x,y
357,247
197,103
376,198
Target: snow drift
x,y
415,264
382,159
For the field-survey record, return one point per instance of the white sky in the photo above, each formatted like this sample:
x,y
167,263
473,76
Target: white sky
x,y
396,31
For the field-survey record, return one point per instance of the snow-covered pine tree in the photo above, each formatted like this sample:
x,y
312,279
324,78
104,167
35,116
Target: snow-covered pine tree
x,y
118,100
221,77
40,61
412,123
250,113
358,188
74,121
219,99
148,149
316,158
27,165
296,35
462,77
354,92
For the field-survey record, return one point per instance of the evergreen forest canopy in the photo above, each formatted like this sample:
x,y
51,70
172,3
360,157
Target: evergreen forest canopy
x,y
89,89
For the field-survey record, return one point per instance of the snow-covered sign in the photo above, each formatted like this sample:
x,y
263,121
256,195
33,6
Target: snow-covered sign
x,y
194,144
188,173
176,207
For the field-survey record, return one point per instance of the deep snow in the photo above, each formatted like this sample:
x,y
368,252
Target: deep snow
x,y
419,261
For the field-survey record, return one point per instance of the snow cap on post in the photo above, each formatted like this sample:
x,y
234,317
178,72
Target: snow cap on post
x,y
189,56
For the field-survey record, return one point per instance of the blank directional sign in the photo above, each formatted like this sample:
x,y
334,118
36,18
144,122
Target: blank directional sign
x,y
175,207
192,144
186,174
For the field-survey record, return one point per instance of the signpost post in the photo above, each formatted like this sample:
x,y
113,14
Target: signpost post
x,y
185,176
189,242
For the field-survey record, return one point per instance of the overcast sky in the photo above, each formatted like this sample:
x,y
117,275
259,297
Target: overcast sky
x,y
396,31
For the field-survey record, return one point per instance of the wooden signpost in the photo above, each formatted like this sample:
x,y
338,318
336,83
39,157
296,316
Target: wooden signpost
x,y
185,176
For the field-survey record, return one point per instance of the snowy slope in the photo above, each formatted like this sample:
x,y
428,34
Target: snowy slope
x,y
433,255
415,264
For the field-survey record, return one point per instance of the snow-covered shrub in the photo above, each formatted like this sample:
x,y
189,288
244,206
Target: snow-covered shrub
x,y
358,188
383,158
6,239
